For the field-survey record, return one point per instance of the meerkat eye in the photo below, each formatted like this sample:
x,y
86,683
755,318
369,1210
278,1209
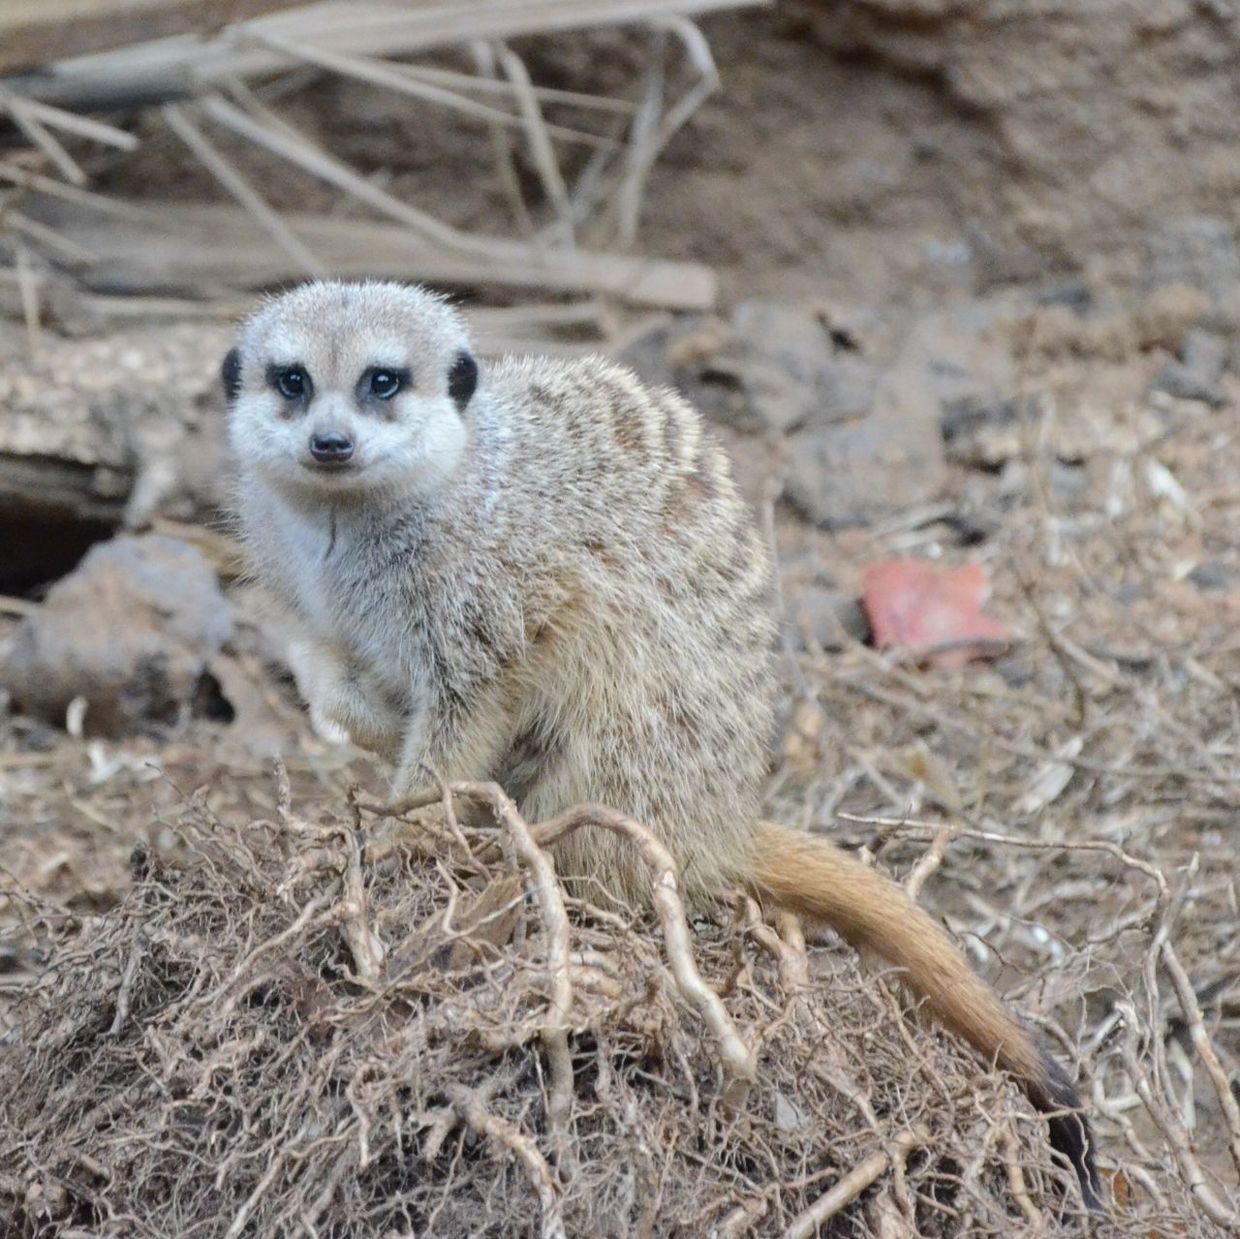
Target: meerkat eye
x,y
292,382
384,384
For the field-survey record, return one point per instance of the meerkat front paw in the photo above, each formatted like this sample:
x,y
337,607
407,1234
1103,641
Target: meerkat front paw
x,y
345,706
325,729
317,672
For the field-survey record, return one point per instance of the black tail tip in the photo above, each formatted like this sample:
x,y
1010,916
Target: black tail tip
x,y
1071,1136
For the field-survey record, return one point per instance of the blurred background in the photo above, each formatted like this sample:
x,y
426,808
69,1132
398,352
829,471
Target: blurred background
x,y
956,281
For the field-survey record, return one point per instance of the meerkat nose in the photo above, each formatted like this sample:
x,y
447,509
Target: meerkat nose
x,y
331,448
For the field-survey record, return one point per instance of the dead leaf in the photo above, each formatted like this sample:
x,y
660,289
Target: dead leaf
x,y
932,611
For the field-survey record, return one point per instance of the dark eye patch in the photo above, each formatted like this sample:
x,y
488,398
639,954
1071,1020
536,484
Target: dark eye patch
x,y
230,375
292,382
462,379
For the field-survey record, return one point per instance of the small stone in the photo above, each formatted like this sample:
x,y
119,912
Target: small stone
x,y
981,434
1075,294
1211,574
828,617
1184,383
1196,375
1205,353
860,473
1067,482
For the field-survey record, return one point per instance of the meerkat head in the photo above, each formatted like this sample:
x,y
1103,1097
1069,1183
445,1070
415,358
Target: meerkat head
x,y
351,389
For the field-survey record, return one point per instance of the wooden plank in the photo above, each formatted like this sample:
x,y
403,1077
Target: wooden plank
x,y
34,33
218,250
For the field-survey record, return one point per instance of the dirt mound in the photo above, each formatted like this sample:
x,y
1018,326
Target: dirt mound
x,y
331,1029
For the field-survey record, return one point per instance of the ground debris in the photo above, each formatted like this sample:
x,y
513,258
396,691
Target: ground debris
x,y
215,1055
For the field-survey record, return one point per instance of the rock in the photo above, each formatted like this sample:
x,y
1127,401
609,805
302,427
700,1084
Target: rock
x,y
1182,382
691,354
1214,574
981,434
828,616
893,458
1195,376
96,433
770,368
132,630
859,473
792,370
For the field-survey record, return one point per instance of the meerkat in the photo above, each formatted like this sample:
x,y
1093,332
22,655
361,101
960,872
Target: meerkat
x,y
545,576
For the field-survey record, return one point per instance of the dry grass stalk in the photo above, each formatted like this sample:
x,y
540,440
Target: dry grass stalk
x,y
1223,1085
555,922
48,238
1170,1123
170,68
71,122
298,150
39,136
321,37
407,80
467,1105
232,180
33,32
27,179
28,289
738,1060
216,247
493,86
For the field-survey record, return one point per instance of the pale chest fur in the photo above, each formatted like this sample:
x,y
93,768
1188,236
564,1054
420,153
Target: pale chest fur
x,y
322,565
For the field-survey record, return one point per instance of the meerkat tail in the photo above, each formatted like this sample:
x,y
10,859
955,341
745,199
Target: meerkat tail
x,y
808,875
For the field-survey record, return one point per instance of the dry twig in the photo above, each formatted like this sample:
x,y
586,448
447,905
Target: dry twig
x,y
808,1223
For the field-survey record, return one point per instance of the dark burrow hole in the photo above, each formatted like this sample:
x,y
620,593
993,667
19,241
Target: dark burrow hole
x,y
209,701
37,549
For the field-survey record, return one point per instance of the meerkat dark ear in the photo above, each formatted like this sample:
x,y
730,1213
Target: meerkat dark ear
x,y
230,374
463,379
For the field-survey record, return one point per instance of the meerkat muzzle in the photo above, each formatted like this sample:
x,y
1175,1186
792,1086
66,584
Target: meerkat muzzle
x,y
332,448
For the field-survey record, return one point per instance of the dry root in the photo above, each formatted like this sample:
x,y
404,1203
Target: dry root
x,y
397,1022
